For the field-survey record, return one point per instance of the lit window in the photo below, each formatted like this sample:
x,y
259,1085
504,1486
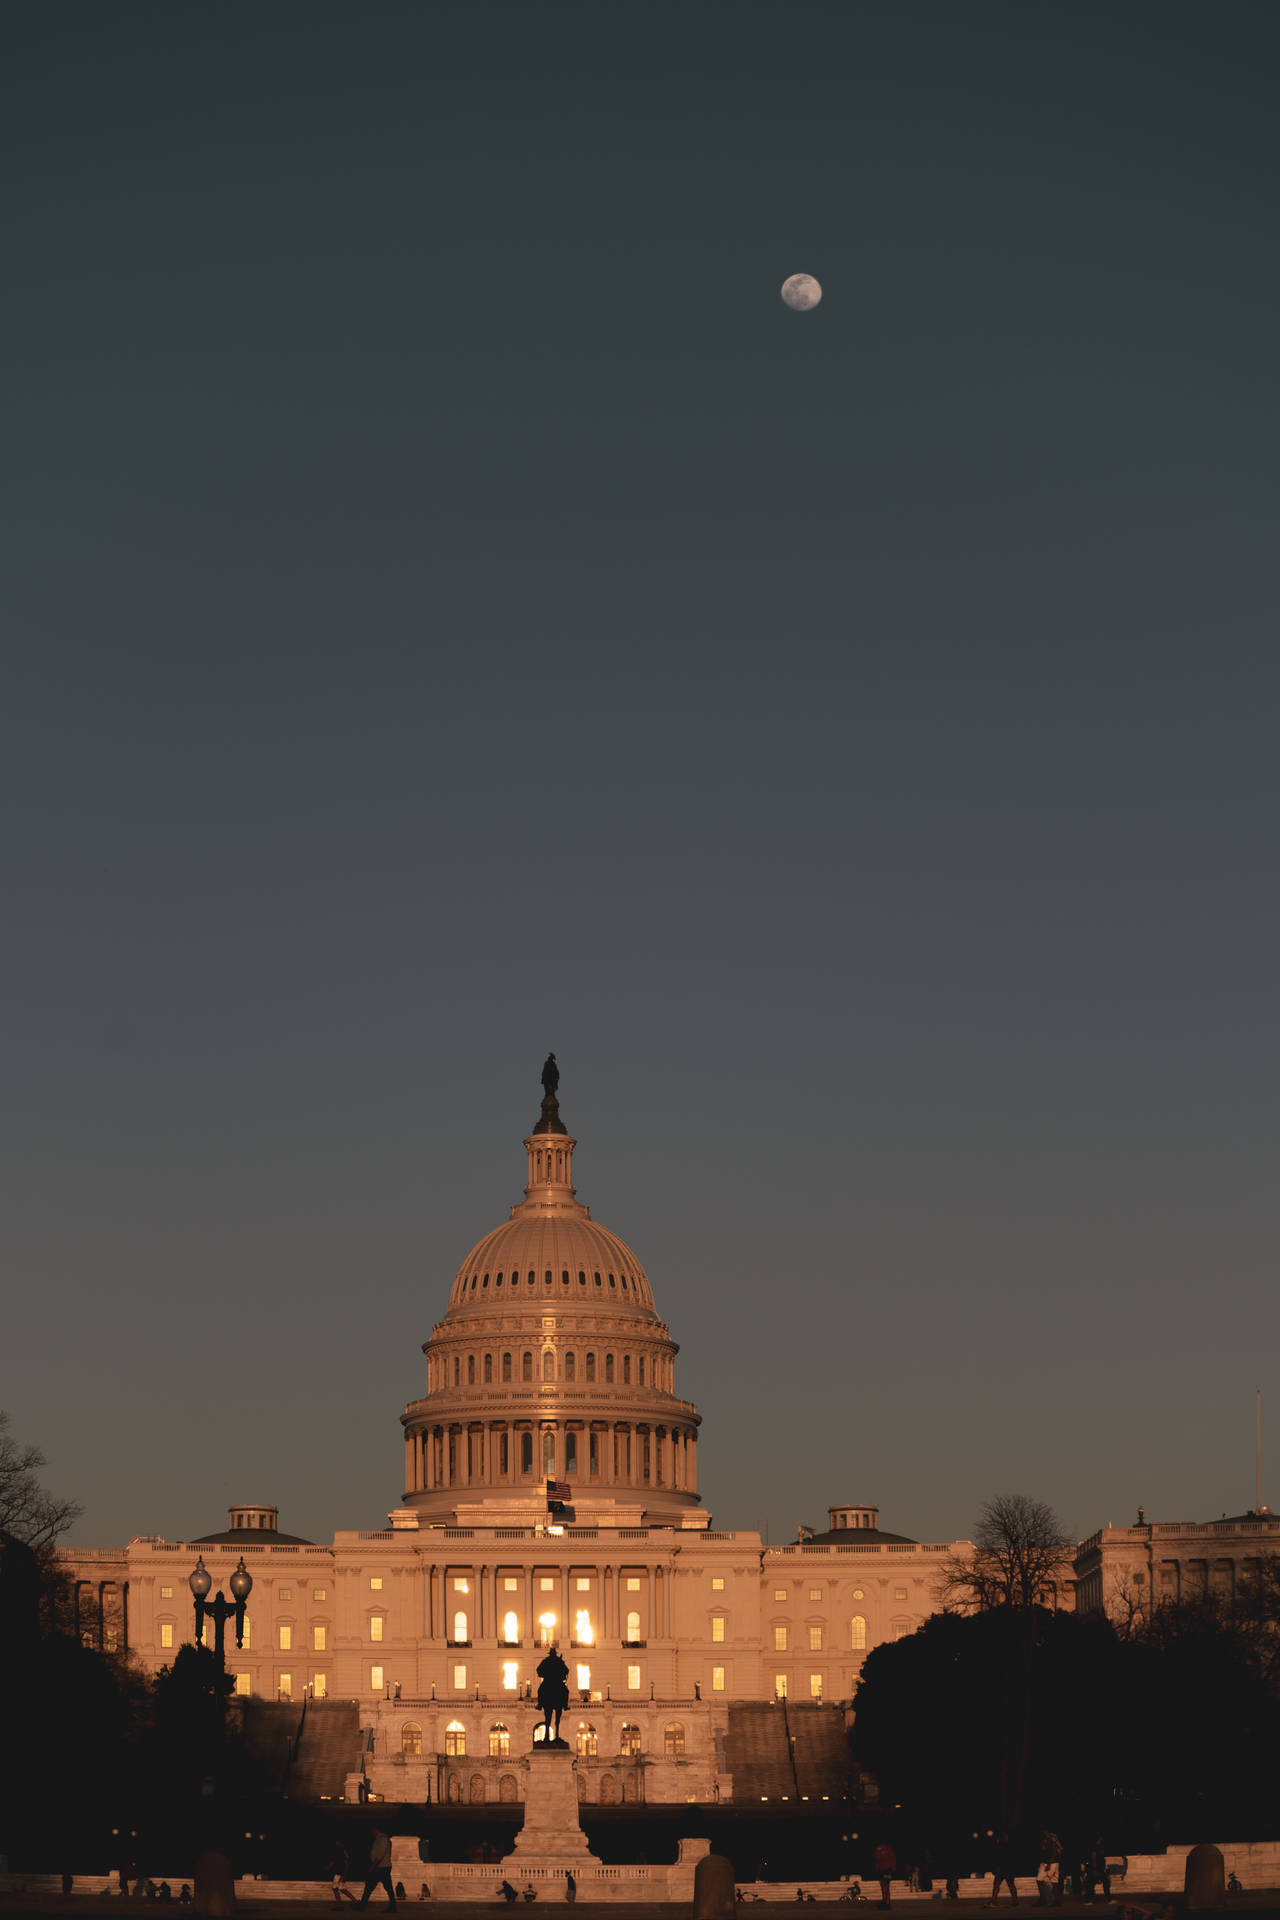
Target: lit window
x,y
318,1593
857,1593
717,1679
459,1677
901,1628
582,1630
284,1686
779,1639
779,1593
510,1676
717,1626
286,1639
588,1741
546,1629
460,1628
584,1585
411,1740
584,1679
779,1686
375,1626
815,1639
461,1586
899,1593
455,1739
815,1686
633,1583
629,1740
286,1593
166,1593
633,1628
375,1582
499,1742
858,1633
319,1686
376,1681
166,1633
510,1629
717,1583
242,1683
633,1679
546,1584
319,1643
815,1593
673,1740
508,1584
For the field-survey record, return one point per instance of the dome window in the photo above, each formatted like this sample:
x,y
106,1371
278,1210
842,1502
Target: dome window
x,y
506,1366
485,1281
488,1369
548,1276
608,1369
531,1276
498,1281
582,1278
526,1367
591,1366
599,1282
612,1281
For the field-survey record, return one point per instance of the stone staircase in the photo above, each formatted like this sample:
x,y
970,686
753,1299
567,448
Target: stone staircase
x,y
757,1751
328,1749
820,1749
269,1729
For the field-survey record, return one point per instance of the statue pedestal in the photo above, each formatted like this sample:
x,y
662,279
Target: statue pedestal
x,y
551,1839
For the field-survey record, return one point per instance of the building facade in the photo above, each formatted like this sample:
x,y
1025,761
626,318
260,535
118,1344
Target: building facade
x,y
550,1364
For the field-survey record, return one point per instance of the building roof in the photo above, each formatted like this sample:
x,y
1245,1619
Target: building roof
x,y
249,1537
855,1537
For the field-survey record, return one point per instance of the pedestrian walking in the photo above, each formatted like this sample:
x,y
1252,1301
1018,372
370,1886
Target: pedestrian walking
x,y
1002,1870
570,1887
886,1866
379,1874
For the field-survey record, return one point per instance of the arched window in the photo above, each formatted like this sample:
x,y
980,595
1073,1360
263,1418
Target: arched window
x,y
673,1740
570,1366
498,1281
457,1371
510,1629
591,1366
629,1740
548,1277
526,1453
488,1368
455,1739
455,1791
608,1369
477,1788
507,1789
858,1635
506,1366
608,1790
640,1365
626,1369
548,1364
411,1740
633,1629
526,1367
549,1453
588,1741
612,1281
459,1628
471,1369
499,1742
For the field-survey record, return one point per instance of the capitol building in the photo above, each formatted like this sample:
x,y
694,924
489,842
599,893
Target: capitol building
x,y
550,1495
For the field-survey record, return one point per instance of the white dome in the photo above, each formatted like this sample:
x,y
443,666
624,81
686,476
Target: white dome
x,y
551,1253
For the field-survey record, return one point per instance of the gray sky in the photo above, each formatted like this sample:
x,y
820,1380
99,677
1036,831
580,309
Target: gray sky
x,y
454,609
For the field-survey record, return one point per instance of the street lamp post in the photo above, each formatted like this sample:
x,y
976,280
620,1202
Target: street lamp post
x,y
241,1584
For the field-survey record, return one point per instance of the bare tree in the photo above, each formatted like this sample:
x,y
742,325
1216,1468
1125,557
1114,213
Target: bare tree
x,y
1020,1557
27,1512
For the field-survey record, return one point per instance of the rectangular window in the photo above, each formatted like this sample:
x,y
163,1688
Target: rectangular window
x,y
584,1679
286,1639
899,1593
779,1686
633,1679
901,1628
166,1633
717,1679
584,1586
246,1638
779,1593
375,1626
242,1683
546,1584
779,1639
633,1583
375,1582
166,1593
318,1593
376,1681
462,1586
815,1593
319,1686
815,1639
717,1583
510,1676
318,1644
459,1677
509,1585
284,1686
815,1686
717,1627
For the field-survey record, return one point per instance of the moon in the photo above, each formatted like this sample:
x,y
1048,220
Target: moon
x,y
801,292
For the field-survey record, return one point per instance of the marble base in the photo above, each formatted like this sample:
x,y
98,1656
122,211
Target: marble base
x,y
552,1835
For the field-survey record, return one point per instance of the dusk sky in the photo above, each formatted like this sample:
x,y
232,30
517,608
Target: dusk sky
x,y
454,609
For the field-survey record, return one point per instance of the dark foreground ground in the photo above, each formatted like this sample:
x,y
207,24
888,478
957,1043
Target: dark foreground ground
x,y
15,1906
